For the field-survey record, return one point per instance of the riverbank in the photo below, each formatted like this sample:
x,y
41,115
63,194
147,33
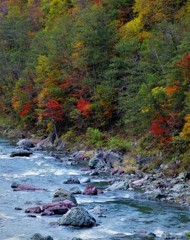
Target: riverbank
x,y
162,183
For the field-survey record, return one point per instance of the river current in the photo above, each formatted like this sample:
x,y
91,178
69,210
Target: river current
x,y
123,211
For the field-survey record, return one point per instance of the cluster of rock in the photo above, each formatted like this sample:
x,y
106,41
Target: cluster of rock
x,y
64,203
121,236
24,148
156,186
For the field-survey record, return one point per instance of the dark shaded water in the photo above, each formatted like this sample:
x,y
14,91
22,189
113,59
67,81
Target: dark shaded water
x,y
124,213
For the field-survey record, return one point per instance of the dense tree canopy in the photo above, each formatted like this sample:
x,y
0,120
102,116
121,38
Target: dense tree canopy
x,y
98,63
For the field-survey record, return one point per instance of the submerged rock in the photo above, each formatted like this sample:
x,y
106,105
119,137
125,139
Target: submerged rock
x,y
72,180
21,153
21,187
38,236
77,217
33,210
62,194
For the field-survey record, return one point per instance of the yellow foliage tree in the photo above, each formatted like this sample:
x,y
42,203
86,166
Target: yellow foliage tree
x,y
186,128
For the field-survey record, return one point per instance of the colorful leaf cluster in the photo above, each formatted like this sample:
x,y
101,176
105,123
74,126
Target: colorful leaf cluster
x,y
99,63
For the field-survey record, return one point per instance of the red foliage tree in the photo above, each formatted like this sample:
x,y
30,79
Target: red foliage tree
x,y
26,108
84,107
53,110
160,129
184,66
97,2
184,63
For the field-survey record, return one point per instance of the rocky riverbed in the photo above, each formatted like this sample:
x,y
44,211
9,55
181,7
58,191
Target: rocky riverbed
x,y
74,197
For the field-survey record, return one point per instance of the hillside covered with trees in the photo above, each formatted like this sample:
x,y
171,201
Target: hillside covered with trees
x,y
107,69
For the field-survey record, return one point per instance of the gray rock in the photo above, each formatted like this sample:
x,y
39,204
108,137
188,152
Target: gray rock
x,y
96,163
21,153
77,217
62,194
72,180
118,186
38,236
25,143
111,157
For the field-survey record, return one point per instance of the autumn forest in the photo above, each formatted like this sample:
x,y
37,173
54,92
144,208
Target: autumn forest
x,y
107,69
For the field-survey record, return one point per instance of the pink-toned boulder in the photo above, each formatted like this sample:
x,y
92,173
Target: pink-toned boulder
x,y
52,208
57,207
20,187
65,203
56,210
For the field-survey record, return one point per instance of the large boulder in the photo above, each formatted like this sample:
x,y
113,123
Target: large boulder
x,y
25,143
77,217
62,194
38,236
21,153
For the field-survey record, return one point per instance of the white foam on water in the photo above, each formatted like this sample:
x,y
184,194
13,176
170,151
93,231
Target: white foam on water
x,y
13,238
158,232
5,217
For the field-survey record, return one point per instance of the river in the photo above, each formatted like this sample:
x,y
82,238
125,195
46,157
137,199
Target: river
x,y
123,211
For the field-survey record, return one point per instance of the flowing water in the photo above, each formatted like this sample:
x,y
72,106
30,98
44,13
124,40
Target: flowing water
x,y
123,211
